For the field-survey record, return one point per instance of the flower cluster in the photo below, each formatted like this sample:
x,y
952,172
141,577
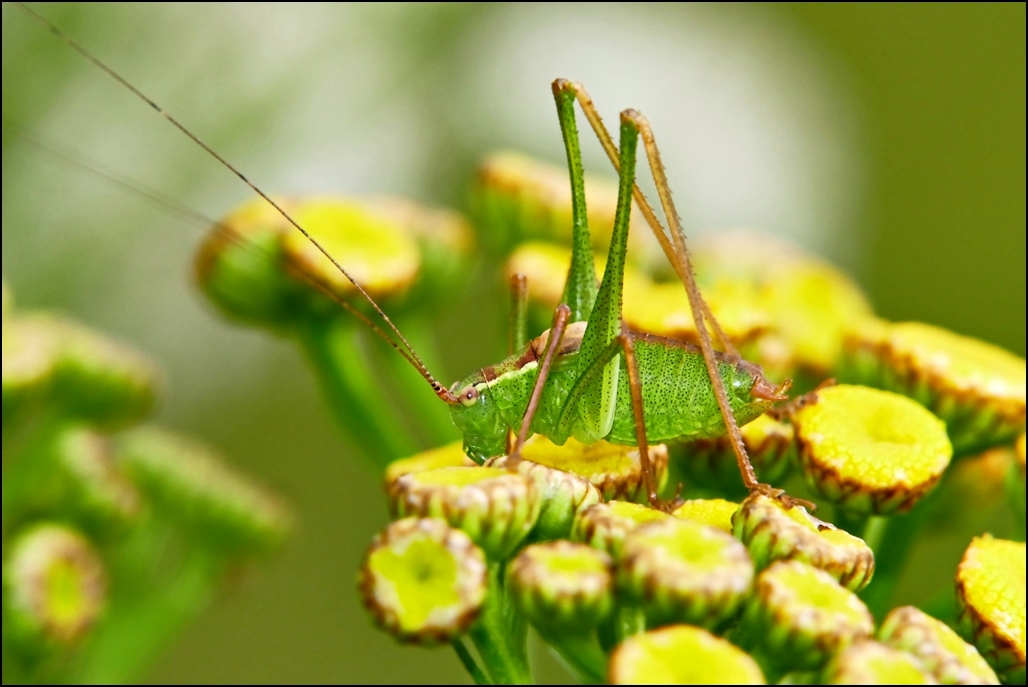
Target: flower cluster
x,y
106,523
730,586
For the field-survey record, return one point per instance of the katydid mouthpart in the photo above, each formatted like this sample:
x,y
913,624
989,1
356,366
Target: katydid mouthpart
x,y
588,376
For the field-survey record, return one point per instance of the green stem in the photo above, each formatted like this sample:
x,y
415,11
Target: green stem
x,y
136,631
581,651
624,622
896,538
355,395
470,664
854,524
501,635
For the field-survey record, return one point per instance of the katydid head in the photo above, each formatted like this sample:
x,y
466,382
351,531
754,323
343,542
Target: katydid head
x,y
478,418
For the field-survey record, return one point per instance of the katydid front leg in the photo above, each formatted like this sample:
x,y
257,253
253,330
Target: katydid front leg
x,y
560,323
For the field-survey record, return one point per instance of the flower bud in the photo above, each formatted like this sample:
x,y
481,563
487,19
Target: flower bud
x,y
422,581
682,571
445,242
769,443
97,490
100,381
773,532
680,654
495,507
562,495
604,526
613,469
799,616
949,659
449,456
189,482
563,586
54,585
376,251
870,451
256,266
662,308
991,595
809,303
714,512
30,348
976,388
870,663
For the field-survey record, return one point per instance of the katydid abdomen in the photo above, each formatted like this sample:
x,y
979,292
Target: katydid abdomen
x,y
678,396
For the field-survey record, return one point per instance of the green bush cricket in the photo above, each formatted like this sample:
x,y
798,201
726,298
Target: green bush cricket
x,y
589,376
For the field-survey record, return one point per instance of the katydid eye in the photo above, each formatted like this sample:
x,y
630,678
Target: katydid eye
x,y
469,396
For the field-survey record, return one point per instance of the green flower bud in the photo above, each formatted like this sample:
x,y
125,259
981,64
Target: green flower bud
x,y
681,655
976,388
871,663
871,451
449,456
240,267
98,491
517,198
714,512
773,532
613,469
949,659
682,571
495,507
189,482
771,447
563,586
54,586
799,616
422,581
30,347
562,495
991,594
100,381
604,526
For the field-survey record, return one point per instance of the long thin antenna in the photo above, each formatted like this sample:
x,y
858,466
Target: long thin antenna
x,y
440,390
183,211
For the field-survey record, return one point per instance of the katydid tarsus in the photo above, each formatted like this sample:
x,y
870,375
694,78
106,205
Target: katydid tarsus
x,y
588,376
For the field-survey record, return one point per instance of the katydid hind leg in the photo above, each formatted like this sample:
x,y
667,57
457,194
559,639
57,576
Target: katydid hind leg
x,y
596,407
684,268
672,241
600,129
580,287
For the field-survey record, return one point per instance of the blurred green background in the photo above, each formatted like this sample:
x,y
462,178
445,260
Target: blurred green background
x,y
889,138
